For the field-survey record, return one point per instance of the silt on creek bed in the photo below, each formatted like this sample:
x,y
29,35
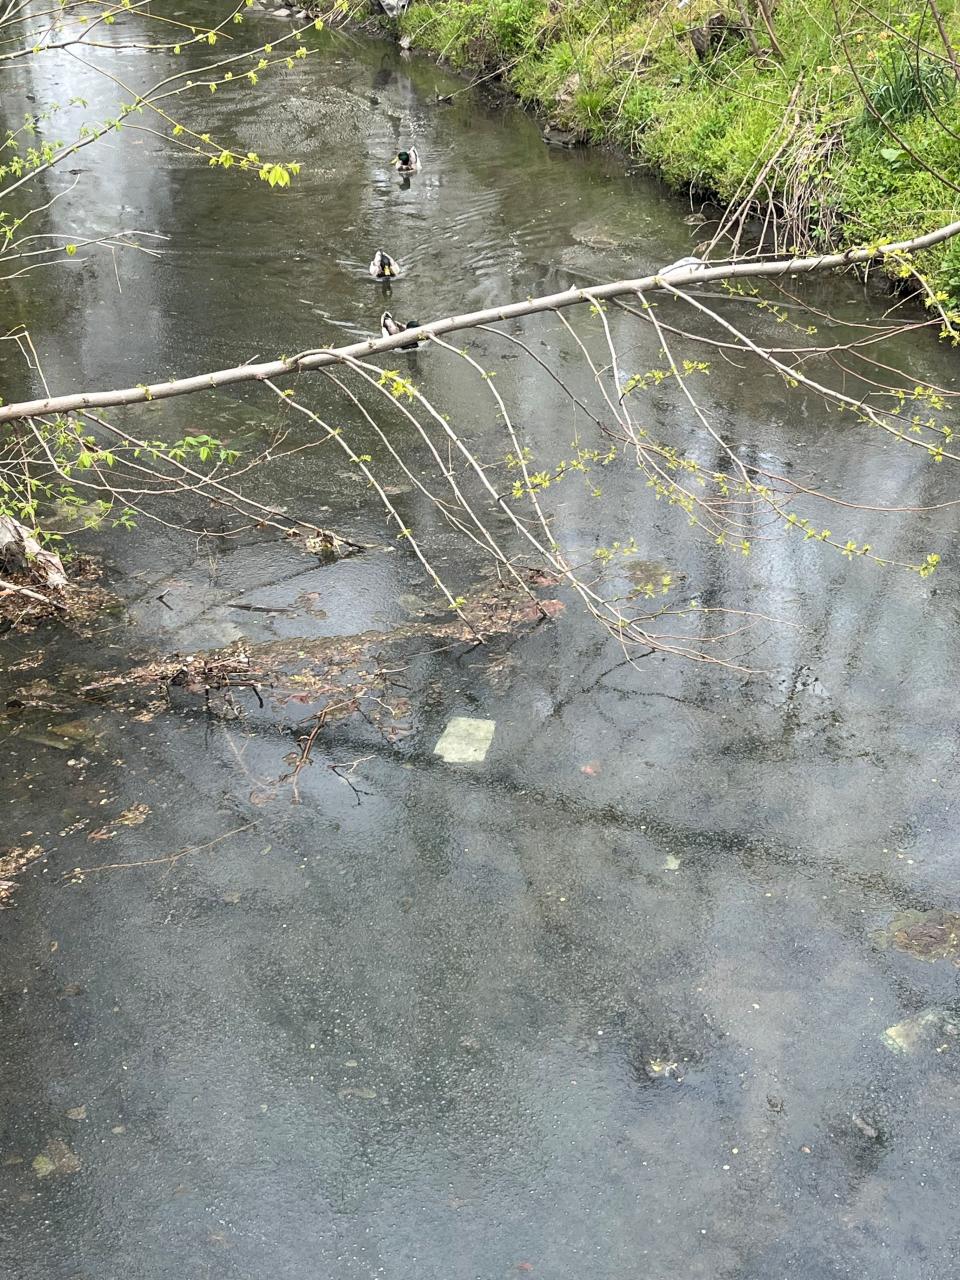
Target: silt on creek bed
x,y
611,1001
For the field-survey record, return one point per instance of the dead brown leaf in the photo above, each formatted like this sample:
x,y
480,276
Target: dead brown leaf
x,y
132,817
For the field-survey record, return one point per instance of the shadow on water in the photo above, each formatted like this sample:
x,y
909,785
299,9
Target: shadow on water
x,y
611,1002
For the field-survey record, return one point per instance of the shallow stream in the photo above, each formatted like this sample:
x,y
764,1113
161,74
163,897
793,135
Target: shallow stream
x,y
610,1003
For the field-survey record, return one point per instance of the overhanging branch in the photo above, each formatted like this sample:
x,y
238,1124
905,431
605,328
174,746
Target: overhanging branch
x,y
318,359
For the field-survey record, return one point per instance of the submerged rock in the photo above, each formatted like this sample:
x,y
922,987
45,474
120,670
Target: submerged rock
x,y
74,731
928,935
598,235
556,137
933,1028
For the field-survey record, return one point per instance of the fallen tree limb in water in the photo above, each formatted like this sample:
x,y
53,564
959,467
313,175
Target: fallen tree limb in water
x,y
304,685
699,273
20,552
731,501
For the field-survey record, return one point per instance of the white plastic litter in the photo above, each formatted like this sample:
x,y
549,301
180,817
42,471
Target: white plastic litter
x,y
465,740
682,264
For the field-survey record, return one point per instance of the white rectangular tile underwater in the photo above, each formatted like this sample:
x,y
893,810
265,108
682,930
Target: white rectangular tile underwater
x,y
465,740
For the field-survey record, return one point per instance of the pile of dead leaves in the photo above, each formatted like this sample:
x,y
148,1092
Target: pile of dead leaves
x,y
25,604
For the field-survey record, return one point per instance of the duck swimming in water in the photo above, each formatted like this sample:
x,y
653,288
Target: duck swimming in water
x,y
407,161
383,267
389,328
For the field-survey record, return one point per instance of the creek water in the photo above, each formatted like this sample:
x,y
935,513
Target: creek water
x,y
610,1003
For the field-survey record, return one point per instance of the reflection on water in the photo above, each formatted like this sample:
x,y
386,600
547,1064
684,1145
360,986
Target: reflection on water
x,y
524,1016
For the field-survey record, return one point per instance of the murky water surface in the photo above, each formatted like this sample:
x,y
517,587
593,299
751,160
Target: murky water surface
x,y
611,1003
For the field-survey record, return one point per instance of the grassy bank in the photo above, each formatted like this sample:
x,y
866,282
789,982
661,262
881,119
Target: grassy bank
x,y
842,120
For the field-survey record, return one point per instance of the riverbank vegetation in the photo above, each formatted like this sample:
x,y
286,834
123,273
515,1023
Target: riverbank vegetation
x,y
828,118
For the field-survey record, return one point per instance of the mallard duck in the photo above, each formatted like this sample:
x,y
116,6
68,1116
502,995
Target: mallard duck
x,y
389,328
407,161
383,267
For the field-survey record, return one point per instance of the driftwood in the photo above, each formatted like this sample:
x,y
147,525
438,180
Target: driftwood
x,y
22,555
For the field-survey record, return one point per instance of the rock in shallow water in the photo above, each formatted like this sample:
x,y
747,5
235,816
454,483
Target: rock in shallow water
x,y
928,935
554,136
933,1028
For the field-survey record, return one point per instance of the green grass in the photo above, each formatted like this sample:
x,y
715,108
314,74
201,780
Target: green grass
x,y
849,114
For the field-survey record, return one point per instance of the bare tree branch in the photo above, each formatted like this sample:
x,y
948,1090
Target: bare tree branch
x,y
318,359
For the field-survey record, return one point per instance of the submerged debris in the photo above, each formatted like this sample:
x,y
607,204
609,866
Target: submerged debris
x,y
132,817
331,670
465,740
56,1158
866,1127
663,1069
934,1028
309,682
